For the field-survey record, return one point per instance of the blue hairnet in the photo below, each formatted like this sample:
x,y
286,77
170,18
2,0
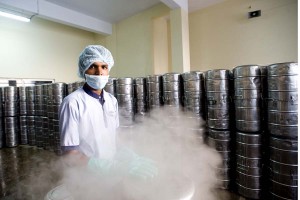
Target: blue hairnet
x,y
91,54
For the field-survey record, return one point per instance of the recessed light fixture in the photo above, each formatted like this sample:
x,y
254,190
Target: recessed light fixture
x,y
14,16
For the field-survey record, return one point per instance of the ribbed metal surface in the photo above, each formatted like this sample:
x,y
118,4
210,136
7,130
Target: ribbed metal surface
x,y
193,87
217,83
125,97
110,87
155,91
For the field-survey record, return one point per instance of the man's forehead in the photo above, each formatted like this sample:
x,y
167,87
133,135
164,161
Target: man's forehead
x,y
99,63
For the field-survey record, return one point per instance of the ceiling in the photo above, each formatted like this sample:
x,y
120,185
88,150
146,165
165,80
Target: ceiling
x,y
113,11
95,15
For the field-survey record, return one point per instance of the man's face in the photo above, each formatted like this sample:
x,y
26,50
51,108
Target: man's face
x,y
98,68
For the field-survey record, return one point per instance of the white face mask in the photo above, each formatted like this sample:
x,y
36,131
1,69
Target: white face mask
x,y
96,82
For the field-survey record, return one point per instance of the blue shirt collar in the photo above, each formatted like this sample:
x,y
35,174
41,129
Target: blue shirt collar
x,y
94,95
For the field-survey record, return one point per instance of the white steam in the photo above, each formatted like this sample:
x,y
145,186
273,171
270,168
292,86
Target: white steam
x,y
174,140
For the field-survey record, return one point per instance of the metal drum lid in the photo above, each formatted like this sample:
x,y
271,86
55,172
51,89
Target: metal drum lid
x,y
246,71
217,74
171,77
192,76
253,83
279,69
154,78
249,138
139,81
124,81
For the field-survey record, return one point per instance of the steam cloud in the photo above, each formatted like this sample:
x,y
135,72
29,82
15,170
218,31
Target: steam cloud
x,y
175,141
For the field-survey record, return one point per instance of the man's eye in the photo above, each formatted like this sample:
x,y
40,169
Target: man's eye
x,y
104,66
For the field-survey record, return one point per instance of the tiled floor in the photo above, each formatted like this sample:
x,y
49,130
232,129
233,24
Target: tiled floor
x,y
29,173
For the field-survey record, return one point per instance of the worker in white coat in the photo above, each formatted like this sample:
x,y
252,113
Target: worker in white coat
x,y
88,120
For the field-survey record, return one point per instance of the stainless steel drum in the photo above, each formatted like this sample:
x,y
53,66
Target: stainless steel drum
x,y
155,91
246,71
38,122
125,97
11,130
193,92
283,100
31,130
110,86
10,93
2,134
22,93
247,98
217,85
23,130
172,89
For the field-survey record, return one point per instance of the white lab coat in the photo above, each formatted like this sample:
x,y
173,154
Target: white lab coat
x,y
85,123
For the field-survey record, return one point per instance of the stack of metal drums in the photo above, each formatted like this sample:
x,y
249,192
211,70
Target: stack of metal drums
x,y
30,121
23,115
110,86
125,97
283,129
140,95
155,91
11,113
1,120
249,154
45,136
38,118
57,92
172,90
217,84
71,87
193,87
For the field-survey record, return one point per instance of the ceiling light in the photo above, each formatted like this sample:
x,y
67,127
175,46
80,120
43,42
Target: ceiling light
x,y
14,16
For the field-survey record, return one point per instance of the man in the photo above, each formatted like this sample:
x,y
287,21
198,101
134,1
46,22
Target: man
x,y
88,119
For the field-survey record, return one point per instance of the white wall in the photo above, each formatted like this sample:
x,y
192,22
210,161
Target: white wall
x,y
41,49
221,36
